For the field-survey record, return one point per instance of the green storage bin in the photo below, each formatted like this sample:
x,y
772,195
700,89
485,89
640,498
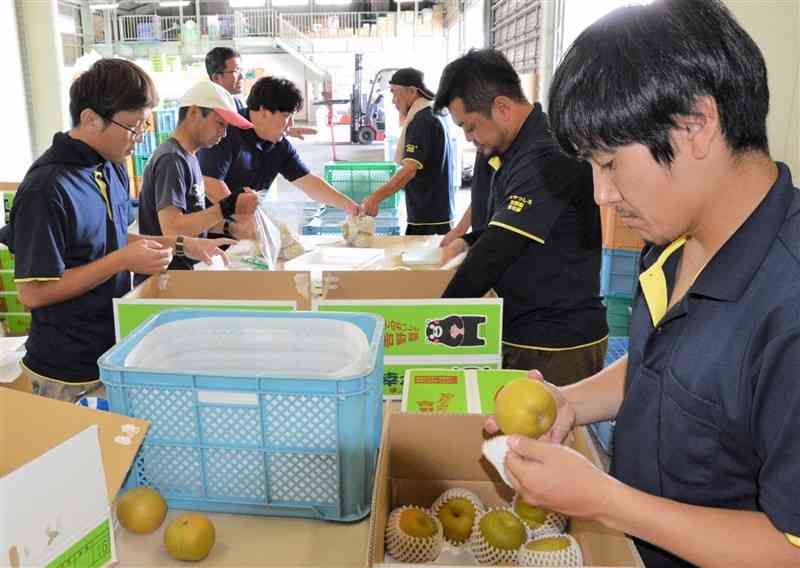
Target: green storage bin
x,y
11,302
163,137
6,258
16,323
7,279
358,180
8,201
139,163
618,314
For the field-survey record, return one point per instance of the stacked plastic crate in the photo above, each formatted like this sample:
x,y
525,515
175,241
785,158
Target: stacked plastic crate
x,y
619,274
162,123
357,180
16,318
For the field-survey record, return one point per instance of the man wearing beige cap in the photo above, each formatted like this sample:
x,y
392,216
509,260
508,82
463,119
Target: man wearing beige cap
x,y
172,200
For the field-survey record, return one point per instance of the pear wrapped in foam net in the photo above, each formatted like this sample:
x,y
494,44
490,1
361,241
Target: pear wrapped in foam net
x,y
358,231
453,494
553,524
487,553
403,546
570,556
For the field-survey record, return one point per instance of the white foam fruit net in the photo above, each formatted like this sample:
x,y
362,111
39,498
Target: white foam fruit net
x,y
484,552
452,494
554,523
570,556
407,548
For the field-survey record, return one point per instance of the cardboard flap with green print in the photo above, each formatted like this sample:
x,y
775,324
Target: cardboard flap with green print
x,y
424,333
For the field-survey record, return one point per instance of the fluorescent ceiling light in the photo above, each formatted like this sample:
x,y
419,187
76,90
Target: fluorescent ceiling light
x,y
106,6
173,3
246,3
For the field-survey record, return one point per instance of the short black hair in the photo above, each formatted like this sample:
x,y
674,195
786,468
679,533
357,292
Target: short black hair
x,y
217,58
110,86
275,95
478,78
629,75
184,111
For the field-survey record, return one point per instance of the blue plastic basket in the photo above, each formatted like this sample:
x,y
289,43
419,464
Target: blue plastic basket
x,y
147,146
604,431
619,272
288,446
166,120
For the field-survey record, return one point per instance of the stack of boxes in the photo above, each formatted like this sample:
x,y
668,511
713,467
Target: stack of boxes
x,y
162,123
620,268
15,317
357,180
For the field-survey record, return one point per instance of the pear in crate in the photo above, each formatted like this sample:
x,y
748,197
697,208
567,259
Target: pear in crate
x,y
413,534
497,537
552,550
456,509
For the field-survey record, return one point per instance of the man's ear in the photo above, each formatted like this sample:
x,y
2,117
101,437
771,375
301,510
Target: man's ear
x,y
91,120
501,108
700,129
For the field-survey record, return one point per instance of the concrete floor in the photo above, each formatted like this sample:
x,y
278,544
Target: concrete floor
x,y
316,152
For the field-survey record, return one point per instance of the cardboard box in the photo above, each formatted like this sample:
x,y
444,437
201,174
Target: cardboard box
x,y
60,468
246,290
414,468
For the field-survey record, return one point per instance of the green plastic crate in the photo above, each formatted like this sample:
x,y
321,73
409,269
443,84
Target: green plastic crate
x,y
8,201
7,279
162,137
6,258
139,163
16,323
359,179
11,302
618,314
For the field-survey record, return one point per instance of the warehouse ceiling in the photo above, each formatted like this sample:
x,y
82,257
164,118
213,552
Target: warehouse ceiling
x,y
130,7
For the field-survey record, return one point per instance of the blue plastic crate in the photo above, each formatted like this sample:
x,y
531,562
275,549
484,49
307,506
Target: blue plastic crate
x,y
279,446
166,120
147,146
604,431
336,229
619,272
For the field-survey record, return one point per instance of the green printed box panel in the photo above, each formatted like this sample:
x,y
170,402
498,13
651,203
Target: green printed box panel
x,y
489,382
438,328
11,302
442,390
128,315
393,374
92,551
7,279
6,258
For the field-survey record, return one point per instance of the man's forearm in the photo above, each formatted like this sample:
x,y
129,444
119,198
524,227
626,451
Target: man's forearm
x,y
216,189
319,190
72,283
704,536
598,397
191,224
397,182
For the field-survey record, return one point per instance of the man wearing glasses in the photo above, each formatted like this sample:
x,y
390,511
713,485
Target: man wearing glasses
x,y
69,231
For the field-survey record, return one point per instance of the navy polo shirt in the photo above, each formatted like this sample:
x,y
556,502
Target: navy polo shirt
x,y
551,294
242,159
61,220
710,412
429,196
479,192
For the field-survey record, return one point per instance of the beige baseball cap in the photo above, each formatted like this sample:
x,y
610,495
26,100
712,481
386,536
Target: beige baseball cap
x,y
210,95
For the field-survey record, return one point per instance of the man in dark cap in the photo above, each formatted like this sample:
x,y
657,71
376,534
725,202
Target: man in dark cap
x,y
424,151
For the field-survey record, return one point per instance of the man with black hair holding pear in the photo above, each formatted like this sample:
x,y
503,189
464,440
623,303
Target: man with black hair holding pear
x,y
706,449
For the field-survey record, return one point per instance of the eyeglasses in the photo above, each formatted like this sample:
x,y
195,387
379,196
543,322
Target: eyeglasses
x,y
234,72
137,131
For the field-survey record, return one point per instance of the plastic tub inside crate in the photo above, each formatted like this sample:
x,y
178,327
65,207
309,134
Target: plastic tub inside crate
x,y
251,443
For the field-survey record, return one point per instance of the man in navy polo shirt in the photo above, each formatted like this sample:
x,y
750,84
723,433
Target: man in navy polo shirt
x,y
424,150
254,158
69,231
541,247
707,441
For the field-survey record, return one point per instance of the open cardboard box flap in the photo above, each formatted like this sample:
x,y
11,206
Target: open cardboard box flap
x,y
227,285
423,455
32,425
385,284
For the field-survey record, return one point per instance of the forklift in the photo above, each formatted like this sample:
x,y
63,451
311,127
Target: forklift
x,y
367,119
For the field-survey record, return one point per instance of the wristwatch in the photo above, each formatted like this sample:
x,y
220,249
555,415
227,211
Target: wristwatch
x,y
179,246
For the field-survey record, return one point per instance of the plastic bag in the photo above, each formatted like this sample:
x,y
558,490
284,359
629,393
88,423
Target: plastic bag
x,y
268,236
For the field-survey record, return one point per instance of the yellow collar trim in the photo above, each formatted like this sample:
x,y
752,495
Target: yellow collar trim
x,y
654,282
495,162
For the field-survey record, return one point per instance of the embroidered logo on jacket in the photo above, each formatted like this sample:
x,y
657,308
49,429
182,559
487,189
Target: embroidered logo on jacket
x,y
517,203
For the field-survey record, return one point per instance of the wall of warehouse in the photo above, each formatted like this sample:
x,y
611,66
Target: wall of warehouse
x,y
775,26
17,148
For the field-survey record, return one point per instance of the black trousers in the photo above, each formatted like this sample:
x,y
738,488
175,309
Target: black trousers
x,y
428,229
558,367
